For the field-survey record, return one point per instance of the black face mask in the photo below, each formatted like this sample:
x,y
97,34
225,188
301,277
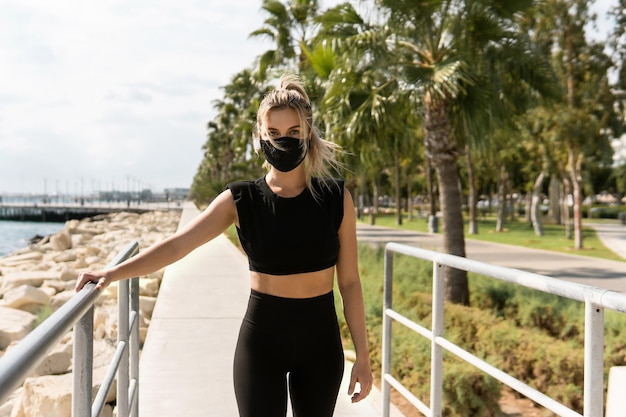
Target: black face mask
x,y
289,157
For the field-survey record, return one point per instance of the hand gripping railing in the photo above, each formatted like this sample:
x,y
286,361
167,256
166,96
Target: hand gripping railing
x,y
595,299
16,364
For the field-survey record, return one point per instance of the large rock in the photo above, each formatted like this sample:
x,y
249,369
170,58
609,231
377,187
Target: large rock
x,y
5,409
146,305
61,298
21,259
14,325
61,241
13,279
66,256
51,395
57,362
45,396
149,286
24,295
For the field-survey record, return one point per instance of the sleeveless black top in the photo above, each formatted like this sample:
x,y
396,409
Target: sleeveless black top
x,y
284,236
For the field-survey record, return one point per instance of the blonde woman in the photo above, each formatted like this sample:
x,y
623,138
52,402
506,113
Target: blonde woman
x,y
297,225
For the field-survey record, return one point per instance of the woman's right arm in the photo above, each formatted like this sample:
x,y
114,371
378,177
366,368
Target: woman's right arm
x,y
213,221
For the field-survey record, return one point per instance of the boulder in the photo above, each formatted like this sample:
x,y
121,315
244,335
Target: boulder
x,y
24,257
61,298
59,285
146,305
149,286
13,279
56,362
45,396
61,241
67,256
80,262
5,409
14,325
51,395
25,294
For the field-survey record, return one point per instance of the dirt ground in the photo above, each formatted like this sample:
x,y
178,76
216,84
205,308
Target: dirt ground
x,y
509,404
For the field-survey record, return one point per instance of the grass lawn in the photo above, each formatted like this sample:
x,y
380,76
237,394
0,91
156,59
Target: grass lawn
x,y
518,233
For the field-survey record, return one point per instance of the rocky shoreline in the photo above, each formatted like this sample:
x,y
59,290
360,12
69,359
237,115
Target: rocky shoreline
x,y
38,279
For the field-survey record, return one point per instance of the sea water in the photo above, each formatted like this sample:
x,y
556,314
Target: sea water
x,y
16,235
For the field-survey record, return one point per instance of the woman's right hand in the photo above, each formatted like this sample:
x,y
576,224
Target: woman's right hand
x,y
100,278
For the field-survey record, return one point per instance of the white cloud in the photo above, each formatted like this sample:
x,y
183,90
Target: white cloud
x,y
97,92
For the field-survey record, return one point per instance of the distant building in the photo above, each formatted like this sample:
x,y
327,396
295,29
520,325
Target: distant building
x,y
176,193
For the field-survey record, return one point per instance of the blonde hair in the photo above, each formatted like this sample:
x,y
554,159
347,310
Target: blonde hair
x,y
290,94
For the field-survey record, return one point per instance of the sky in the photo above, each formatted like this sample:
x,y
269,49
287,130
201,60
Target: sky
x,y
116,94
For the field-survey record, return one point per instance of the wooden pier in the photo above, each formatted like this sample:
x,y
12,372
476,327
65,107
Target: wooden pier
x,y
65,212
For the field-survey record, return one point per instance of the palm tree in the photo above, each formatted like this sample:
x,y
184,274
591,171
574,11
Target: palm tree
x,y
364,107
289,25
450,51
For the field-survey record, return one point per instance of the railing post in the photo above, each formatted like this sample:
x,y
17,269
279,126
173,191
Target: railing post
x,y
436,377
82,378
594,360
386,354
134,348
122,337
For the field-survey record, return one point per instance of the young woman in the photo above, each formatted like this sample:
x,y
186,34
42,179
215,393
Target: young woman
x,y
297,226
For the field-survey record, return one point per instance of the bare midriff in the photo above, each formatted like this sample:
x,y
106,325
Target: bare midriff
x,y
304,285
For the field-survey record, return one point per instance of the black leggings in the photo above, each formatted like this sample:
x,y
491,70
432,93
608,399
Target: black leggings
x,y
286,341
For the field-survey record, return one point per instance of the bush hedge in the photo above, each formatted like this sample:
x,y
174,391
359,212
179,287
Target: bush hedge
x,y
536,337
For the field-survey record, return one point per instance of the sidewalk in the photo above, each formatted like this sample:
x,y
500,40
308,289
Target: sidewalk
x,y
186,363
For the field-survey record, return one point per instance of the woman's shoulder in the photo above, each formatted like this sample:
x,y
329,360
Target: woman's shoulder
x,y
243,184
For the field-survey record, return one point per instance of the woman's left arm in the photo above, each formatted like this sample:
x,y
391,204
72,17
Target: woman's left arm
x,y
349,284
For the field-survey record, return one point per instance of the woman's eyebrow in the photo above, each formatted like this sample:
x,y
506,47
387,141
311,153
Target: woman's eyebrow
x,y
289,128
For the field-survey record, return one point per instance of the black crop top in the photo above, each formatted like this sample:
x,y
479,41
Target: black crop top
x,y
284,236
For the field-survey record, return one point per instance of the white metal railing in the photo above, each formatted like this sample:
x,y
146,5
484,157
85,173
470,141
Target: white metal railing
x,y
596,301
16,364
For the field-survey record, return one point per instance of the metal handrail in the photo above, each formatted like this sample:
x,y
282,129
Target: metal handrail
x,y
17,363
596,301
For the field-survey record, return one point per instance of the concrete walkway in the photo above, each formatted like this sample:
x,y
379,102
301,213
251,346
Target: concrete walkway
x,y
186,363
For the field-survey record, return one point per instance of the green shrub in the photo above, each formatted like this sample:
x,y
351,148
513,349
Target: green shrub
x,y
469,392
535,337
601,212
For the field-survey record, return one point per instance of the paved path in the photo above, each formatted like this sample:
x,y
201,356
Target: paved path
x,y
596,272
186,363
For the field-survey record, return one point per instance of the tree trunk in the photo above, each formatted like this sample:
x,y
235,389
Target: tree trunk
x,y
565,204
554,197
398,189
441,148
433,225
501,199
374,210
409,202
535,215
574,165
472,197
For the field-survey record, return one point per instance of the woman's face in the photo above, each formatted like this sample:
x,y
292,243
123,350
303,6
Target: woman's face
x,y
283,122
